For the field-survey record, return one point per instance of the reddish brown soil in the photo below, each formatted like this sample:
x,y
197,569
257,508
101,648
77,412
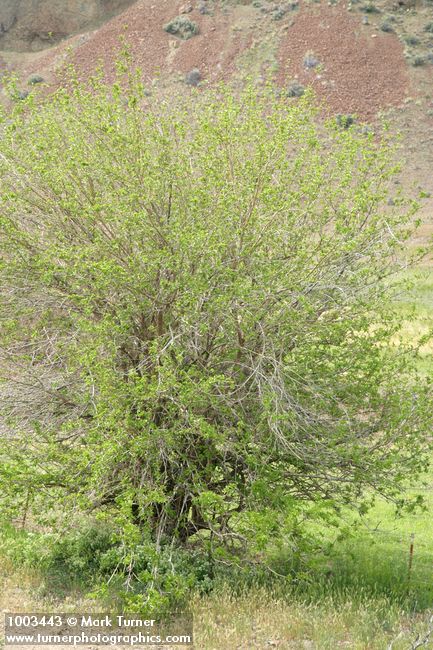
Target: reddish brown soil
x,y
361,72
213,51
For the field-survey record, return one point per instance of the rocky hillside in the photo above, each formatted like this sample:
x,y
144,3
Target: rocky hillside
x,y
31,25
363,58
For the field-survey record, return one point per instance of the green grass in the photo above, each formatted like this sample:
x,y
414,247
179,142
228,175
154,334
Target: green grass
x,y
375,559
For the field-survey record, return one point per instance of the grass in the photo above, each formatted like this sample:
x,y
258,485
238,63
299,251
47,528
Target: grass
x,y
260,620
257,618
374,560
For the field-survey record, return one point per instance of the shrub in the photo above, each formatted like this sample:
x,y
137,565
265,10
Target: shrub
x,y
193,77
386,27
411,40
35,79
370,9
200,316
21,94
91,555
295,89
310,60
79,555
345,121
182,27
204,9
278,13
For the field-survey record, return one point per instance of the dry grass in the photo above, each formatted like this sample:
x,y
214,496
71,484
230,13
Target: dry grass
x,y
258,620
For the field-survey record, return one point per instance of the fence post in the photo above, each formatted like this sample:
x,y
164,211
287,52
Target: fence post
x,y
409,572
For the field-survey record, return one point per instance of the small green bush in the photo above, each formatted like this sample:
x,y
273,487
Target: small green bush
x,y
345,121
411,40
418,61
310,60
89,556
193,77
182,27
80,554
386,27
278,13
35,79
20,95
295,89
370,9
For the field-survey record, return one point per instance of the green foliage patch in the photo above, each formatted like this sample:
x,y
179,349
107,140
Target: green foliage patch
x,y
182,27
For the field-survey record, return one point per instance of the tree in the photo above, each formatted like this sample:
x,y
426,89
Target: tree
x,y
196,324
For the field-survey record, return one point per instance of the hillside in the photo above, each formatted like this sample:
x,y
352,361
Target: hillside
x,y
361,59
32,25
